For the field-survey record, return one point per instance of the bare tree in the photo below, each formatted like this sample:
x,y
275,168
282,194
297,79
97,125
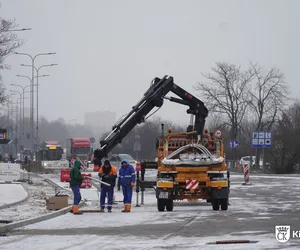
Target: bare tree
x,y
286,153
8,43
225,93
267,98
8,40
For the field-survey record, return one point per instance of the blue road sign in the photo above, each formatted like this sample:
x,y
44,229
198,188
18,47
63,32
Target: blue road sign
x,y
233,144
261,139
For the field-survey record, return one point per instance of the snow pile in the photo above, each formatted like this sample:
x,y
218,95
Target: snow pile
x,y
11,193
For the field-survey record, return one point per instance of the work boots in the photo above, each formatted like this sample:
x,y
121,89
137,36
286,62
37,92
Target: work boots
x,y
126,209
76,211
72,209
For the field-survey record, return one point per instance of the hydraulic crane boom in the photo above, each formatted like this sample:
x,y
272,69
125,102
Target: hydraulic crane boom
x,y
153,97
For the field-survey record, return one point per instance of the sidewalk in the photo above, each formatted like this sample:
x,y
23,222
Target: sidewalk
x,y
11,194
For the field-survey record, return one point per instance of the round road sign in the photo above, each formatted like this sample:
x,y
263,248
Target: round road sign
x,y
218,133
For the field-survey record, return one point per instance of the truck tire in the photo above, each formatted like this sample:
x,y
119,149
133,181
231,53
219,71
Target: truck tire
x,y
224,204
161,205
169,205
215,204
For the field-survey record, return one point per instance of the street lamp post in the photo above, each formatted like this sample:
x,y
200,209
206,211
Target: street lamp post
x,y
37,97
14,91
19,30
31,89
13,109
23,88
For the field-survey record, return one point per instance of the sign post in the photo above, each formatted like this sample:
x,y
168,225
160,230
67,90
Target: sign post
x,y
233,145
262,140
137,148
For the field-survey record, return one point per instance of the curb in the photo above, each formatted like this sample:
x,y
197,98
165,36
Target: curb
x,y
17,202
6,228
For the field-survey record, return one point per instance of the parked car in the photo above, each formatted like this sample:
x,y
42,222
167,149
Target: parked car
x,y
246,160
116,159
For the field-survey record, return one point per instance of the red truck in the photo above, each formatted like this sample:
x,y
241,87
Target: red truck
x,y
79,148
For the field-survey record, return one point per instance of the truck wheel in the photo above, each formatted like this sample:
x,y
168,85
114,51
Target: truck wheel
x,y
224,204
161,205
169,205
215,204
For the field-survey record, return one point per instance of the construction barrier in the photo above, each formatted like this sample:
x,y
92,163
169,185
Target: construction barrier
x,y
86,183
10,171
65,175
246,173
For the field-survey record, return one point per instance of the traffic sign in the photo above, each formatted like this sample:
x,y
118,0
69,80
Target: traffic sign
x,y
261,139
233,144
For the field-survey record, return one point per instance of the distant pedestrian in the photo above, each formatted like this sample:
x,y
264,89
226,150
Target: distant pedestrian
x,y
75,182
126,180
108,174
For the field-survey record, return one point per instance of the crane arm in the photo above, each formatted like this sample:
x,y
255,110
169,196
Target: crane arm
x,y
153,97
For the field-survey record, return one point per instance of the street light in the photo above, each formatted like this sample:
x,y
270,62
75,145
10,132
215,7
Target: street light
x,y
19,29
14,91
32,82
22,131
16,128
23,88
37,96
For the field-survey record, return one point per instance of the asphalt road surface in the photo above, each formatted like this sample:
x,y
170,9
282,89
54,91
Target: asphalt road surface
x,y
253,213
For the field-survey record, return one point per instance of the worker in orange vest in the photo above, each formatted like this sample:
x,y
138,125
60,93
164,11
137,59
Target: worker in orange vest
x,y
108,174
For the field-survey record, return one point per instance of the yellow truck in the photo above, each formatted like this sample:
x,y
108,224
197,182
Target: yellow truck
x,y
190,165
189,169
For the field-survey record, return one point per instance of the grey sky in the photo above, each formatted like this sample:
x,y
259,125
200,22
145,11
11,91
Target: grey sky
x,y
109,51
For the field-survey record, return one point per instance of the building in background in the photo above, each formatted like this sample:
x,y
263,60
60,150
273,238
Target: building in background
x,y
100,122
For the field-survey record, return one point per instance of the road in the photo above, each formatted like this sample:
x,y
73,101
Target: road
x,y
253,213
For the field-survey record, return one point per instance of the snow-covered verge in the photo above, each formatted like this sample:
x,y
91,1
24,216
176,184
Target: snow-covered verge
x,y
96,242
34,206
11,193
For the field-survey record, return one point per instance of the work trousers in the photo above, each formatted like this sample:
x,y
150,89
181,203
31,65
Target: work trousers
x,y
110,194
127,194
76,194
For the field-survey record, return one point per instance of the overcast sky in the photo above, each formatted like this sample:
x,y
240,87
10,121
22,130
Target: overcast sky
x,y
109,51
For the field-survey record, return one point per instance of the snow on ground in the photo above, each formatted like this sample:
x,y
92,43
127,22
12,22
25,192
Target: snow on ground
x,y
34,206
11,193
255,204
96,242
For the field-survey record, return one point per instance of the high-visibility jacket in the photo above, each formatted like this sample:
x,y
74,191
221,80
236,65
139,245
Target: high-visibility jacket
x,y
111,176
126,175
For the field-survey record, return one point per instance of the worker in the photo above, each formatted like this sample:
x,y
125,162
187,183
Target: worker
x,y
108,174
75,182
126,180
